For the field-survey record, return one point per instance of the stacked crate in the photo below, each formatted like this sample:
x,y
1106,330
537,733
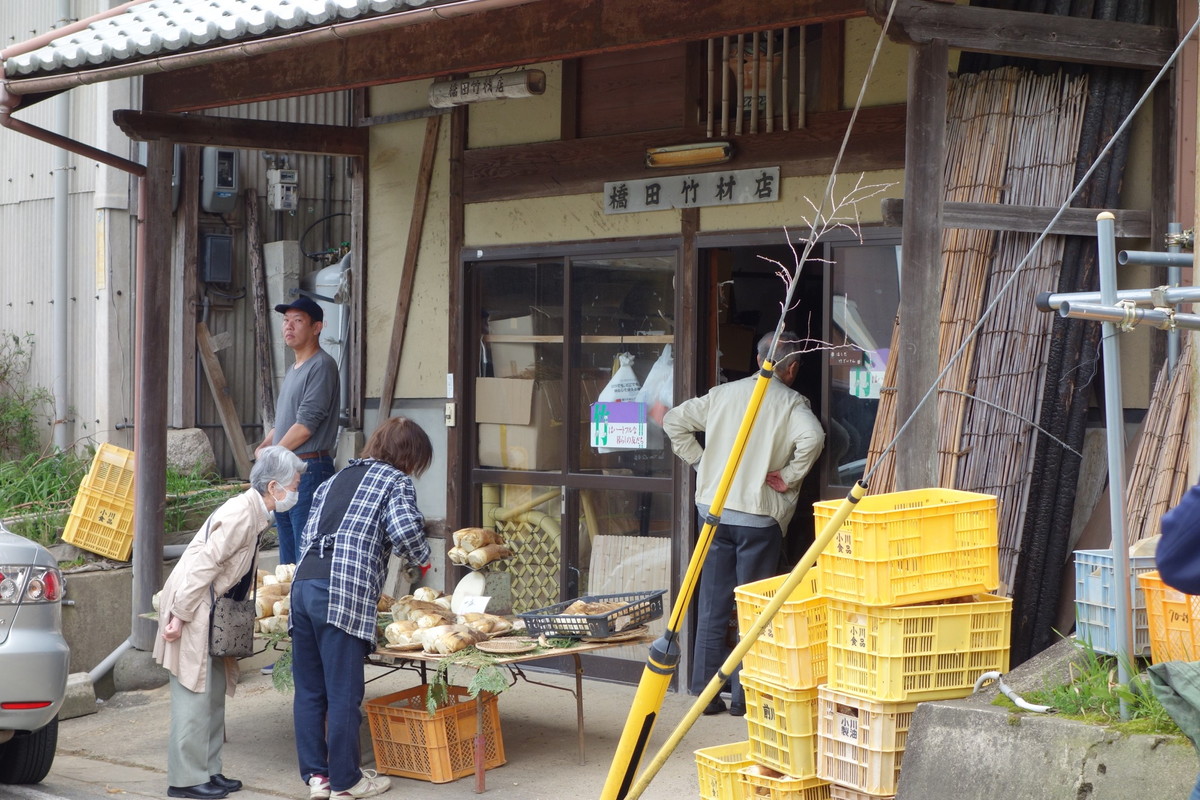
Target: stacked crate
x,y
895,612
1173,620
906,579
1096,601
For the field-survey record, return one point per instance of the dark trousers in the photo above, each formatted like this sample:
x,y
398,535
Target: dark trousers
x,y
737,555
290,523
327,667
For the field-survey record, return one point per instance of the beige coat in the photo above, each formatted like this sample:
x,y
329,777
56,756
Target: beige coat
x,y
787,437
219,561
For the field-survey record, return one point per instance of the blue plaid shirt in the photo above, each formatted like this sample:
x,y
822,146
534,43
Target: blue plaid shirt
x,y
382,514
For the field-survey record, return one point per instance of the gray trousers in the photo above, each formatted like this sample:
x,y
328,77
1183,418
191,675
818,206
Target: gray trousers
x,y
197,729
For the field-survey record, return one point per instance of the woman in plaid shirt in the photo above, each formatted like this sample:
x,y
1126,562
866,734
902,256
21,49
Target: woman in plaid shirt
x,y
358,518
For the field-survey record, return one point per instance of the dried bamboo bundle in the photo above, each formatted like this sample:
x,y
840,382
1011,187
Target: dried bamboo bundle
x,y
998,435
1158,478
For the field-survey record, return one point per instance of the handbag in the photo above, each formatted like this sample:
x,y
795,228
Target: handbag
x,y
231,624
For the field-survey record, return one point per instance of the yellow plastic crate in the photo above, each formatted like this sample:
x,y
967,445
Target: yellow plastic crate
x,y
860,742
1173,618
439,747
111,472
911,547
762,787
846,793
790,651
782,726
717,768
912,653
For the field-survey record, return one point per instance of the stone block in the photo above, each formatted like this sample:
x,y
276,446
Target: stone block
x,y
80,699
190,450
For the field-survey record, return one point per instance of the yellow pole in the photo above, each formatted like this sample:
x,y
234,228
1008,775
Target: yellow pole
x,y
664,652
747,640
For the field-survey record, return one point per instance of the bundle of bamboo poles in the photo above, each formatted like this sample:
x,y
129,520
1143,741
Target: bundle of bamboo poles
x,y
1159,475
1012,137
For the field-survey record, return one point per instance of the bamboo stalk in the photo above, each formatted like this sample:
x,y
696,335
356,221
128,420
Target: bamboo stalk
x,y
755,68
802,79
739,84
724,85
711,90
770,81
786,99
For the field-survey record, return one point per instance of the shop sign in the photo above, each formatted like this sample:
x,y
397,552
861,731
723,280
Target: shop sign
x,y
727,188
620,425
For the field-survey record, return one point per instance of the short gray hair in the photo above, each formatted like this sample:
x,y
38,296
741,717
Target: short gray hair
x,y
789,344
277,464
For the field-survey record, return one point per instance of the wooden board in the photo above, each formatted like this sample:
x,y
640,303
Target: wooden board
x,y
622,564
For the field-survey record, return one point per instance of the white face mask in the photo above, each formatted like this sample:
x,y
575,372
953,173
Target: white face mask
x,y
289,500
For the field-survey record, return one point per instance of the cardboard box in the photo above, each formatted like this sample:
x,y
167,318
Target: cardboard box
x,y
512,359
520,423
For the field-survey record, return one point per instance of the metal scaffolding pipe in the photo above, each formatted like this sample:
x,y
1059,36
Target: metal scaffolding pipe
x,y
1130,316
1154,298
1154,258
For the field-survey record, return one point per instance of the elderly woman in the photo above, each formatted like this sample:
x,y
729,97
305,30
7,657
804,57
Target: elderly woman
x,y
357,519
221,555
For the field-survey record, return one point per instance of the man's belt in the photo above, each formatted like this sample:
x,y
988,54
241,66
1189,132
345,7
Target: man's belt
x,y
314,454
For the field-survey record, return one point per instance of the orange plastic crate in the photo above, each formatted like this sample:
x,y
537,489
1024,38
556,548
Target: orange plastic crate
x,y
911,653
860,742
790,651
1174,620
439,747
910,547
717,768
782,726
762,787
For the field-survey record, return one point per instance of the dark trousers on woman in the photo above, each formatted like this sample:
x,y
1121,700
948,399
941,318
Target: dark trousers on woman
x,y
327,668
737,555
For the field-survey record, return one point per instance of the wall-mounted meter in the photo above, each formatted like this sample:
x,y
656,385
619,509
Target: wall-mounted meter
x,y
219,182
283,189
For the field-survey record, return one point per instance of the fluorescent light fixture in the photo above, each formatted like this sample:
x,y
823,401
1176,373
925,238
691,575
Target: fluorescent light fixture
x,y
689,155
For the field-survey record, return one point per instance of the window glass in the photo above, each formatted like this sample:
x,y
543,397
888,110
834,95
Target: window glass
x,y
864,299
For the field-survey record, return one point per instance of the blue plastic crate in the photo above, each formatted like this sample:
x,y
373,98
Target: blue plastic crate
x,y
1096,601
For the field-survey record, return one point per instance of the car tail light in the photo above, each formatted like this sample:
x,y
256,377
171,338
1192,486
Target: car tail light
x,y
30,585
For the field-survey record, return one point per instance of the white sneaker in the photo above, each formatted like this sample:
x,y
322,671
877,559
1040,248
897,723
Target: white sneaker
x,y
318,787
369,785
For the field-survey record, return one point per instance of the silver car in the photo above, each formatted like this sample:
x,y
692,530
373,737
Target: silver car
x,y
33,658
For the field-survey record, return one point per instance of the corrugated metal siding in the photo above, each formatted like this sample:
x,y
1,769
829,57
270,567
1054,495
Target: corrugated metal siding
x,y
324,191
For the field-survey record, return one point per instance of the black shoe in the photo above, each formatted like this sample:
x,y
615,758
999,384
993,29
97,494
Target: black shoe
x,y
228,784
715,706
737,711
201,791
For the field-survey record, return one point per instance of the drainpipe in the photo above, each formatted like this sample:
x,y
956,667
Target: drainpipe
x,y
59,370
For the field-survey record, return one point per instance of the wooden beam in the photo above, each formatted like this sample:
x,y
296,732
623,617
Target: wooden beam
x,y
1130,224
458,486
408,276
1031,35
921,267
528,34
221,396
583,165
250,134
262,312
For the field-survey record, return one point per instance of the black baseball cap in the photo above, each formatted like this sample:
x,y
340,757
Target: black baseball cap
x,y
305,304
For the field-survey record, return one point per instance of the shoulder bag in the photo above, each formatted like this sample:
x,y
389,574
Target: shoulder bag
x,y
231,626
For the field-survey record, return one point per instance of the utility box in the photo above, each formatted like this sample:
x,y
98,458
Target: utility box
x,y
216,258
219,180
283,189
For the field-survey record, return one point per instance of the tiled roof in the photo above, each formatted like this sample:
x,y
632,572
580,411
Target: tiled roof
x,y
162,27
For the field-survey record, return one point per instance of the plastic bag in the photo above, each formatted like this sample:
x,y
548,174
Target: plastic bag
x,y
623,387
658,393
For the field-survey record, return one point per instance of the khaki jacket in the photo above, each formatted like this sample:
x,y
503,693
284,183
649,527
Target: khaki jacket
x,y
787,437
219,561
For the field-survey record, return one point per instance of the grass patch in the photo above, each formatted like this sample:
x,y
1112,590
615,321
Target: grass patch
x,y
1093,695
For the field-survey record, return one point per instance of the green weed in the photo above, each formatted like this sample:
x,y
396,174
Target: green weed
x,y
24,409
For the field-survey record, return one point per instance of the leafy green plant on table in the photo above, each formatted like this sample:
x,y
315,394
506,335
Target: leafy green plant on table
x,y
1092,694
490,676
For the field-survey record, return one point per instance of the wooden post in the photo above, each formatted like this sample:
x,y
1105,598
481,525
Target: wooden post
x,y
458,484
262,313
151,365
221,396
408,276
921,265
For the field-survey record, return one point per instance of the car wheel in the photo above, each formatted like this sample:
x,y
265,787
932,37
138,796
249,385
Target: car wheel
x,y
27,759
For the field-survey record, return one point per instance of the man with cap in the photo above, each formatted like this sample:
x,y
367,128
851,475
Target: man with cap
x,y
306,416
